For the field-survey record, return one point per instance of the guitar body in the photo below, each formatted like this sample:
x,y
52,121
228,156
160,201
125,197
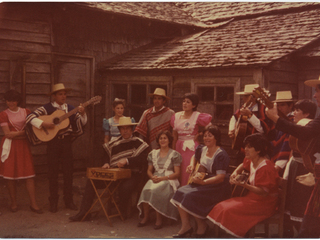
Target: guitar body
x,y
239,134
45,135
239,191
199,171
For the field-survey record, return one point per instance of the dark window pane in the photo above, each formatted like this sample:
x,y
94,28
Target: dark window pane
x,y
206,93
224,94
224,112
138,94
119,91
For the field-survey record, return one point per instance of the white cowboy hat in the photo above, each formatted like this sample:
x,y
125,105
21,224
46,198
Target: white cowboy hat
x,y
283,96
313,82
58,87
248,89
159,92
125,121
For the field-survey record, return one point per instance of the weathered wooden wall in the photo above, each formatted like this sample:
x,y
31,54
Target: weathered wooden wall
x,y
60,42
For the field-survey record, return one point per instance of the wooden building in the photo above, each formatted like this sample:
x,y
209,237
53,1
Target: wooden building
x,y
126,50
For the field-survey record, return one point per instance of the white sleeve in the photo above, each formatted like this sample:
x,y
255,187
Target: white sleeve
x,y
255,122
232,123
36,122
83,119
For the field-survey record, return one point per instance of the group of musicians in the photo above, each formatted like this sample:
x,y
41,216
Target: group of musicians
x,y
131,148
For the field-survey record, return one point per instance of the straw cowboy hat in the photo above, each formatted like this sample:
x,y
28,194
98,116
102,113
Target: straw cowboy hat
x,y
283,96
159,92
58,87
248,89
313,82
125,121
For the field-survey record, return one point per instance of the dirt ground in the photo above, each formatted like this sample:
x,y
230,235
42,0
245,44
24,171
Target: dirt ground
x,y
26,224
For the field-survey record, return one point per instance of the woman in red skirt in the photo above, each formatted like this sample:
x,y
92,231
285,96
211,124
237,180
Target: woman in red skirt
x,y
16,159
239,214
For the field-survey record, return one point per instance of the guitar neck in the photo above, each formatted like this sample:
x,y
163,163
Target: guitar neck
x,y
73,111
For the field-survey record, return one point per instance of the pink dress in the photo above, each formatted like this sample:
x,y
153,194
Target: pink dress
x,y
19,164
187,130
239,214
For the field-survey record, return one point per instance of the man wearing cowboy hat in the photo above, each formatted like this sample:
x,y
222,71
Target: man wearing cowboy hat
x,y
59,149
253,115
125,151
155,119
281,148
311,131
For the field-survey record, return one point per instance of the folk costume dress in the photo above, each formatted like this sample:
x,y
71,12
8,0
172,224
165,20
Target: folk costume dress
x,y
239,214
158,195
151,122
110,129
16,159
198,200
187,130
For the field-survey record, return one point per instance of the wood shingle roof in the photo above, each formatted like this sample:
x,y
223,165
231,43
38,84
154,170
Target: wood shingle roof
x,y
253,41
161,11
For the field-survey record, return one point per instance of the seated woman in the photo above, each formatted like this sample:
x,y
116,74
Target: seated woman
x,y
163,171
198,198
239,214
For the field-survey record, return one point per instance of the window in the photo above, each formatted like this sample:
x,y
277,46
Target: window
x,y
217,100
136,96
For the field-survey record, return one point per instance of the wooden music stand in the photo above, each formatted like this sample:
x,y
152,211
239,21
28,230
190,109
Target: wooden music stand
x,y
111,177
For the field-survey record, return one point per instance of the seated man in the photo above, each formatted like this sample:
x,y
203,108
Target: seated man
x,y
125,151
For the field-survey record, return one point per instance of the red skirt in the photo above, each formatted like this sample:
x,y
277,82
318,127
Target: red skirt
x,y
238,215
19,164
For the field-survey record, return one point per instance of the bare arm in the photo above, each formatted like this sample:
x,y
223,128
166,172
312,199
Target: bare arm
x,y
13,134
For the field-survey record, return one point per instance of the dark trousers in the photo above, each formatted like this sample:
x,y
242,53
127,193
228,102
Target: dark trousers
x,y
310,227
126,188
60,153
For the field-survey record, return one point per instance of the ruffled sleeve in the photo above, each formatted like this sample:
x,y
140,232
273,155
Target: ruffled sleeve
x,y
173,117
204,119
106,126
150,158
176,158
267,178
3,119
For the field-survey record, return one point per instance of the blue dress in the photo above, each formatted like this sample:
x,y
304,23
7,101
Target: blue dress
x,y
110,129
198,200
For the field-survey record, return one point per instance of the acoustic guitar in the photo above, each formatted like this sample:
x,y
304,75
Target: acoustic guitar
x,y
240,131
198,171
239,191
61,121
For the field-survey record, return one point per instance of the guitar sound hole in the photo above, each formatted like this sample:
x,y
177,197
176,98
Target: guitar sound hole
x,y
56,121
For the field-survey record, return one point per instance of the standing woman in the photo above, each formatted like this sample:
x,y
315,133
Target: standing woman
x,y
16,159
109,125
163,171
185,126
199,197
239,214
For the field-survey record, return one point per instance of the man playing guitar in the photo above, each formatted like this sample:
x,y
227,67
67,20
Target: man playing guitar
x,y
252,115
59,149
